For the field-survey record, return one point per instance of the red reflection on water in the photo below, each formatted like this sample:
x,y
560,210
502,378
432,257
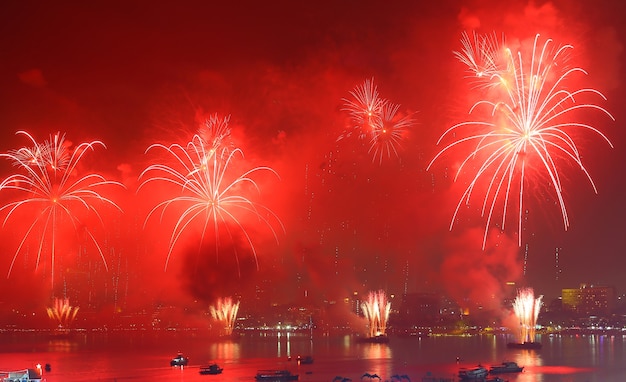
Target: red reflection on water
x,y
375,351
378,356
528,359
560,369
225,350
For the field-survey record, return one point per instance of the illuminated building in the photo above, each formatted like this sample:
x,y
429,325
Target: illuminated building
x,y
589,299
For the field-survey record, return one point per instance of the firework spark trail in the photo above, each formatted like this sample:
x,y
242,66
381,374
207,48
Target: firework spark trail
x,y
365,108
376,310
49,181
208,189
526,308
62,312
226,311
484,57
376,119
388,132
216,133
53,153
527,125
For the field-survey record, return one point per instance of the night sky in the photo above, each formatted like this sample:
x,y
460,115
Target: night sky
x,y
135,73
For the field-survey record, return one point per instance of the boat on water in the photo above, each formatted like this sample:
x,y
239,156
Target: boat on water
x,y
379,339
211,369
306,360
24,375
275,375
496,379
477,373
524,345
506,367
179,360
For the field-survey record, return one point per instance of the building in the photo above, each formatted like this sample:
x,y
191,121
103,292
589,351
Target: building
x,y
589,300
419,309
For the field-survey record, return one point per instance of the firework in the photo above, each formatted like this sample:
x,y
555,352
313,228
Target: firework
x,y
49,180
53,153
528,130
375,119
210,192
376,310
215,132
62,312
225,311
484,57
365,108
388,131
526,308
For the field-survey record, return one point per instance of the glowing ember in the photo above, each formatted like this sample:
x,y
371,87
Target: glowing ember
x,y
376,310
526,308
225,311
526,131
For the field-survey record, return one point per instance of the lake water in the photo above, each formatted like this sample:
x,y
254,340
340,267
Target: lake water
x,y
145,357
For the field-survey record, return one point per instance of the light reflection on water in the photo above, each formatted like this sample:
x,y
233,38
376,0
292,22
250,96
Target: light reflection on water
x,y
139,357
379,358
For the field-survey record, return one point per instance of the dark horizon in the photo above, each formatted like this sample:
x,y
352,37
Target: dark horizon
x,y
135,74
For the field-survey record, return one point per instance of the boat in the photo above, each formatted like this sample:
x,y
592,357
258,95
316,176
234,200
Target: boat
x,y
211,369
524,345
496,379
179,360
379,339
275,375
479,372
24,375
306,360
506,367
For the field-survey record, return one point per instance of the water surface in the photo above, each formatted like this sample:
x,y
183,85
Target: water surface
x,y
137,356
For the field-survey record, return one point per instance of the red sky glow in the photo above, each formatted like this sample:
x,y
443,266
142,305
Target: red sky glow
x,y
132,74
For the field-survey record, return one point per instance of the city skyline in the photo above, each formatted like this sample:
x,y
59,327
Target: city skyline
x,y
359,213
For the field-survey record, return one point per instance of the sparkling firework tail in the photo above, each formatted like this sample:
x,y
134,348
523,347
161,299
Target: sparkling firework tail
x,y
207,191
528,125
49,181
526,308
376,310
62,312
226,311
